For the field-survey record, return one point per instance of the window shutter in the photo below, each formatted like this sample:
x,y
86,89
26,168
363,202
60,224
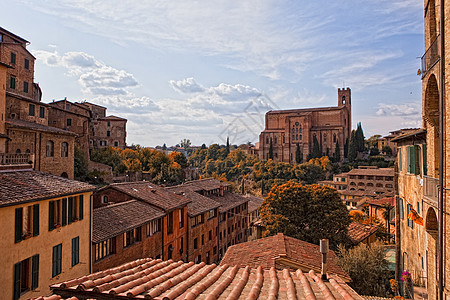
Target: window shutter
x,y
35,272
18,225
413,160
54,260
400,208
35,219
424,153
70,210
51,215
17,270
400,159
64,212
80,217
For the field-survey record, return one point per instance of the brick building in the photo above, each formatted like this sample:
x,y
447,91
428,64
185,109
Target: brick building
x,y
173,223
386,141
25,118
45,236
285,129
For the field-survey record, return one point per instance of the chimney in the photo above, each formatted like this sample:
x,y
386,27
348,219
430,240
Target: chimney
x,y
324,251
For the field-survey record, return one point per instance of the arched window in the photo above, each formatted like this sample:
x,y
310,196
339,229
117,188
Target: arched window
x,y
27,151
50,149
64,174
104,199
334,138
64,149
18,151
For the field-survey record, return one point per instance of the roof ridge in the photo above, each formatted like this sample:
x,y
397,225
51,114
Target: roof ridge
x,y
117,204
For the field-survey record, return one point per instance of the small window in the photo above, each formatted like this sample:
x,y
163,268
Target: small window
x,y
50,149
195,243
410,222
64,149
108,133
56,260
13,58
181,217
12,83
69,122
116,144
75,251
26,64
42,113
104,199
109,124
26,275
31,109
25,87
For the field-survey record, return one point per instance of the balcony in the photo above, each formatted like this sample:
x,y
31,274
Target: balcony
x,y
15,159
431,56
431,188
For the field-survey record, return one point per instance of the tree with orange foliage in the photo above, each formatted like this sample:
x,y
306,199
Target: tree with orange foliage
x,y
306,212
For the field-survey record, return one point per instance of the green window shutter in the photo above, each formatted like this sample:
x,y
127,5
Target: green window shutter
x,y
411,160
408,159
70,211
400,159
400,208
17,275
81,207
424,153
64,211
51,215
36,220
35,272
18,225
54,261
75,251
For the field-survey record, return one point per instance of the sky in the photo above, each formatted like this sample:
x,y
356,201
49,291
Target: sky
x,y
208,70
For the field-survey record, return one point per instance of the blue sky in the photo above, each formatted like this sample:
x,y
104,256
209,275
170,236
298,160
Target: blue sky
x,y
204,70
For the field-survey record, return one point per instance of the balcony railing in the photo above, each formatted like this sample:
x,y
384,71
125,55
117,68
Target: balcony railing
x,y
431,188
431,56
15,158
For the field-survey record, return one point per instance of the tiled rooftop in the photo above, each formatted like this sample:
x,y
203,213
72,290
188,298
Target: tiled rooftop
x,y
254,203
359,232
112,220
156,279
152,194
20,186
229,200
199,204
381,201
35,126
372,172
271,251
207,184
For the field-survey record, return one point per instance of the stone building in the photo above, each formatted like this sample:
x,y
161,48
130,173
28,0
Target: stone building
x,y
285,129
25,118
386,141
46,231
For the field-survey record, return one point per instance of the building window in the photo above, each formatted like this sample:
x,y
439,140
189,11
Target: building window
x,y
116,144
412,157
13,58
25,87
26,222
169,251
75,251
109,124
12,82
108,133
132,236
153,227
50,149
195,243
56,260
210,235
181,217
31,109
198,259
26,63
104,199
64,149
105,248
210,214
69,122
26,276
410,222
54,214
42,113
200,219
170,223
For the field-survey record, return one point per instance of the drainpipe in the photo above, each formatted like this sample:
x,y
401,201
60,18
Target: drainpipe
x,y
441,153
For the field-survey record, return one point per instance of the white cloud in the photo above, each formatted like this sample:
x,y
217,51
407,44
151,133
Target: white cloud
x,y
405,109
186,86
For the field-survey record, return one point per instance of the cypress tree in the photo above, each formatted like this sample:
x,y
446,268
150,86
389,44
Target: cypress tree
x,y
298,154
352,147
346,148
228,145
337,152
316,153
359,135
270,149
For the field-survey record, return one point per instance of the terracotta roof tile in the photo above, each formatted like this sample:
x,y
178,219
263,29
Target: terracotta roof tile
x,y
155,279
359,232
199,203
20,186
152,194
381,201
229,200
254,203
272,251
35,126
112,220
372,172
207,184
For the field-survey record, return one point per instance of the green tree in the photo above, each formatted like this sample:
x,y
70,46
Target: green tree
x,y
270,149
387,150
346,148
80,164
352,147
203,146
164,147
179,158
316,152
213,152
110,156
367,268
185,143
306,212
359,136
298,154
337,152
372,142
228,145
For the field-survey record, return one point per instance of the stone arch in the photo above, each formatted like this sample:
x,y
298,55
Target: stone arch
x,y
431,222
431,116
64,174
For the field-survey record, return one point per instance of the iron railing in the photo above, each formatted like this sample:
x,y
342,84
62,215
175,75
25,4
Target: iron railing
x,y
431,188
431,56
14,158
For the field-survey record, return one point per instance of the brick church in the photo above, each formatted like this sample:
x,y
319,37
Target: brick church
x,y
287,128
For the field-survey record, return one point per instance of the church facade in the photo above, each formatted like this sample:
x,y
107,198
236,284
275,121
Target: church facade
x,y
286,130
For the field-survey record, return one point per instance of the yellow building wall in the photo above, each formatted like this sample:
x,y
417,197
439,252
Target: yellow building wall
x,y
2,107
12,253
